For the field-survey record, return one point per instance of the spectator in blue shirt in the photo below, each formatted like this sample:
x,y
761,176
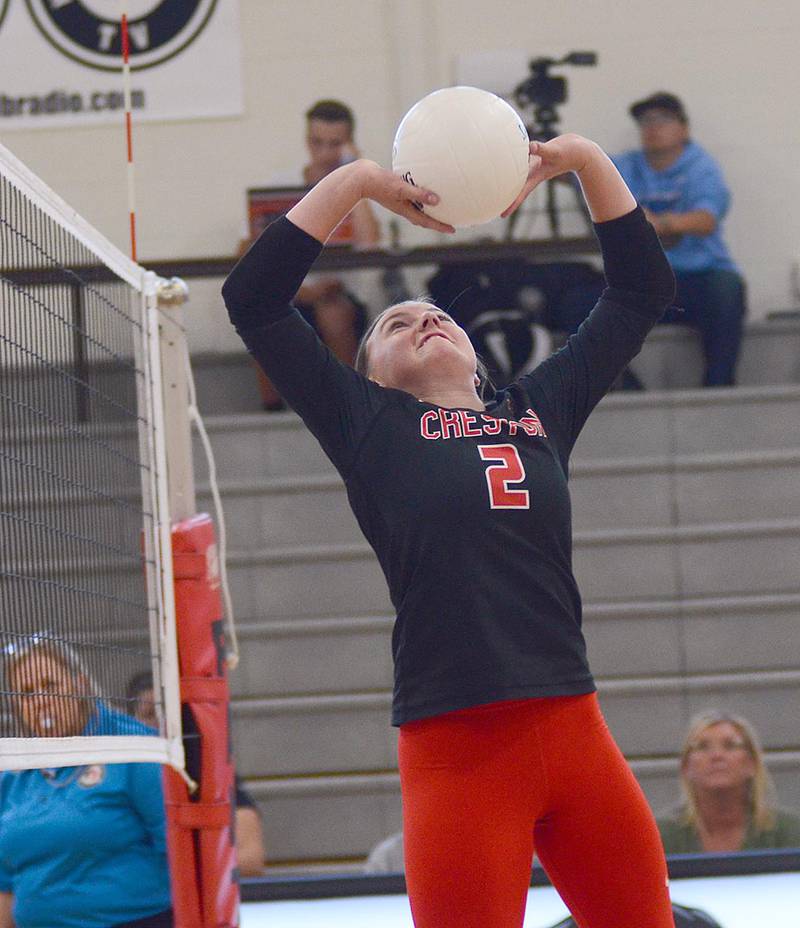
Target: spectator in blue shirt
x,y
80,847
682,190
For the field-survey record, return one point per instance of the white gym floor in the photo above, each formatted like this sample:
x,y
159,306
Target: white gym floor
x,y
758,901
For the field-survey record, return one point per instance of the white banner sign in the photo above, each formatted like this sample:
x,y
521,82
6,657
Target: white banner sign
x,y
61,60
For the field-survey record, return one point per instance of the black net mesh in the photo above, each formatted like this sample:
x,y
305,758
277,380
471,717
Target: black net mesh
x,y
75,612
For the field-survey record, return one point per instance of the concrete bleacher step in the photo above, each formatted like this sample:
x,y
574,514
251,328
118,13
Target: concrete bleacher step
x,y
638,425
671,359
654,563
73,458
324,734
286,511
672,356
691,422
343,816
623,493
689,489
314,580
624,425
295,512
688,561
300,657
694,636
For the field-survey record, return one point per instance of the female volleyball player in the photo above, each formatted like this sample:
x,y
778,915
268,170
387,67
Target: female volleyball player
x,y
502,744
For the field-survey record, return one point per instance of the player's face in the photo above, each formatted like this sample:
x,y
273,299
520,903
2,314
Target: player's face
x,y
326,143
415,345
46,703
662,132
719,759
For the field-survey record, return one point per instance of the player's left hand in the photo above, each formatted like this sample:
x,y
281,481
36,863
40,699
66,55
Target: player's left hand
x,y
546,160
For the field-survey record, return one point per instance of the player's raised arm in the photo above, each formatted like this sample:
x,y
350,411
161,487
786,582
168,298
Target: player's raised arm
x,y
640,283
604,190
326,205
336,403
267,277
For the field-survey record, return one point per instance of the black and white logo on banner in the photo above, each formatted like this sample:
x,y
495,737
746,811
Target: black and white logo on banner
x,y
84,31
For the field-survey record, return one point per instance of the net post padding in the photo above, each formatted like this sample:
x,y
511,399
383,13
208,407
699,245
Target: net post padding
x,y
200,829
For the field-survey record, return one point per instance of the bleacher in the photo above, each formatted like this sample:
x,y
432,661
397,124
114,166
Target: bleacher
x,y
687,546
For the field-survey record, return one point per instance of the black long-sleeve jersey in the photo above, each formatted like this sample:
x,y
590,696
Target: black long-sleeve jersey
x,y
468,512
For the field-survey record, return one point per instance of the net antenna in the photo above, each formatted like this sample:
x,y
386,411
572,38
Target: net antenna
x,y
86,582
126,89
172,294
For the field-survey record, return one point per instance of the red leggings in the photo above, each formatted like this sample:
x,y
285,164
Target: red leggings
x,y
483,787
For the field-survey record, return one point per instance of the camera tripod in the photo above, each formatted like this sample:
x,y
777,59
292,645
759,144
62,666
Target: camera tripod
x,y
544,93
543,129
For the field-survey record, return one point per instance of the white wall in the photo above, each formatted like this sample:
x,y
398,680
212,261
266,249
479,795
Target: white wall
x,y
734,62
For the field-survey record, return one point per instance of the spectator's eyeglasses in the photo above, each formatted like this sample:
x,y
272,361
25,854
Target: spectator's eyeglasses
x,y
25,643
729,746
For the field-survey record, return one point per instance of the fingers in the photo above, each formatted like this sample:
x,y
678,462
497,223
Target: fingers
x,y
420,218
534,179
429,223
509,210
418,194
413,202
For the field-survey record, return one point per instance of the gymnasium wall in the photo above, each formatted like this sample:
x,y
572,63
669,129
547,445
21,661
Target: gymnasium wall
x,y
734,62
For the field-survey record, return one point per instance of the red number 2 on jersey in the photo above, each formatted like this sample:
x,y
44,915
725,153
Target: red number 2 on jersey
x,y
508,470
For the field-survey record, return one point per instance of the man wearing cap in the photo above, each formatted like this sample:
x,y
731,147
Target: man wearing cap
x,y
682,190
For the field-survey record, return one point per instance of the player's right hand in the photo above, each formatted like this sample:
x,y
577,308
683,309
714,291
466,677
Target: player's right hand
x,y
394,193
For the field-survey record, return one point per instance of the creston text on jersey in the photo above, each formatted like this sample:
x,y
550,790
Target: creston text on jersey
x,y
442,424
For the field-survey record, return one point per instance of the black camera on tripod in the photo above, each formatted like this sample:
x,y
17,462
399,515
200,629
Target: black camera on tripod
x,y
544,92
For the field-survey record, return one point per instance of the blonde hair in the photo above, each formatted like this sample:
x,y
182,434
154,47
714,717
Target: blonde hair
x,y
761,795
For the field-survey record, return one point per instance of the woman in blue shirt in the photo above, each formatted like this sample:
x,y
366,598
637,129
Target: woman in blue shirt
x,y
80,847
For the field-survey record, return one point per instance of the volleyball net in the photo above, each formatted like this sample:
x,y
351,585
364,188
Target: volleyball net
x,y
86,585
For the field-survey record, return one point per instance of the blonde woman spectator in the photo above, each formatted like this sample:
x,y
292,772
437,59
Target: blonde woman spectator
x,y
728,794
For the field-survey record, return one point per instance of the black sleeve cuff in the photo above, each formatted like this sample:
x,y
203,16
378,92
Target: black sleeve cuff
x,y
271,272
633,259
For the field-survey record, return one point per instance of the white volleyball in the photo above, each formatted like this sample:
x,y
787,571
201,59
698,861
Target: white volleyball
x,y
469,147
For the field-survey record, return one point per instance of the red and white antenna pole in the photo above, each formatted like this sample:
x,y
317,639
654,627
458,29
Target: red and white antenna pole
x,y
126,84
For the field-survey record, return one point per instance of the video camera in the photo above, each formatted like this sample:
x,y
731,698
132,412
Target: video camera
x,y
545,92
